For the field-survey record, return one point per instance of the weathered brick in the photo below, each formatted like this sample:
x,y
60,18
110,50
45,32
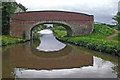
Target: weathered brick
x,y
78,23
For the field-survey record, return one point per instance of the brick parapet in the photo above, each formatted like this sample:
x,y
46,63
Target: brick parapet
x,y
79,24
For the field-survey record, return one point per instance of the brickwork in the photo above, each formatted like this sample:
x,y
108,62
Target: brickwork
x,y
76,23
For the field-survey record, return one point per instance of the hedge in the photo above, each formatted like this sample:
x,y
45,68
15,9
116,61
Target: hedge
x,y
6,40
100,45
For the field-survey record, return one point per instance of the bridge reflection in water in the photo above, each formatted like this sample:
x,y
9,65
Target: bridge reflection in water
x,y
27,57
25,61
66,58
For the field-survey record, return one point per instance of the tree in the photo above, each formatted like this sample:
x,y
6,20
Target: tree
x,y
8,8
117,18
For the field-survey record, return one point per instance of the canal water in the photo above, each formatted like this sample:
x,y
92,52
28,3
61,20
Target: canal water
x,y
27,60
49,42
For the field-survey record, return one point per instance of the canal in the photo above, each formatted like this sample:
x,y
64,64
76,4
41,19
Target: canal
x,y
50,58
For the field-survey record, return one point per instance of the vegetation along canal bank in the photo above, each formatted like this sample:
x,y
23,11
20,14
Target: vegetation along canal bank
x,y
7,40
97,40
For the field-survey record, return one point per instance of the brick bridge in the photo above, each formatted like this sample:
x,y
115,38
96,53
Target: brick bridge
x,y
75,23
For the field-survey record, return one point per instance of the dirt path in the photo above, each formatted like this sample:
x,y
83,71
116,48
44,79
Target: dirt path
x,y
112,36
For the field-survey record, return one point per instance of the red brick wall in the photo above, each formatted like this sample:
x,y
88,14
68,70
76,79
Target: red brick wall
x,y
24,21
51,15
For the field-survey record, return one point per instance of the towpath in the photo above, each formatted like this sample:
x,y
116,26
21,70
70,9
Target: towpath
x,y
112,36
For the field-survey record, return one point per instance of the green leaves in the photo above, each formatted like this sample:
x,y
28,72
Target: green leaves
x,y
6,40
97,40
59,31
117,37
100,32
95,44
8,8
117,18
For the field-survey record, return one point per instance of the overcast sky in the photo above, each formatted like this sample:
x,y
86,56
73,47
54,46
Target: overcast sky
x,y
103,10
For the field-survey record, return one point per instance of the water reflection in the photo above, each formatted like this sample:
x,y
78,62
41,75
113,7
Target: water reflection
x,y
49,42
25,61
100,69
33,59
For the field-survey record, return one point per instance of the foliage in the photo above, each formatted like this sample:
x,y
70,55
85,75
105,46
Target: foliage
x,y
8,8
0,40
117,37
35,30
24,34
38,28
100,45
58,28
117,18
59,31
115,27
97,40
100,32
6,40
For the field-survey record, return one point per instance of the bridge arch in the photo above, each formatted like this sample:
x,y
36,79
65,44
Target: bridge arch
x,y
76,23
65,25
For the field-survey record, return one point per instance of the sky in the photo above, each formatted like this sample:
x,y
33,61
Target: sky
x,y
103,10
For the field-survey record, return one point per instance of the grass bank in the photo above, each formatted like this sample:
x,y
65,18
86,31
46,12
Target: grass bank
x,y
7,40
59,31
97,40
100,45
117,37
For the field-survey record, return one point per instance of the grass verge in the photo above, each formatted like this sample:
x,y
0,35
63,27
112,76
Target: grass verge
x,y
117,37
6,40
100,45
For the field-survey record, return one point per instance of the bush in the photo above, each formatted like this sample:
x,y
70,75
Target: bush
x,y
100,32
117,37
6,40
95,44
97,40
60,33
